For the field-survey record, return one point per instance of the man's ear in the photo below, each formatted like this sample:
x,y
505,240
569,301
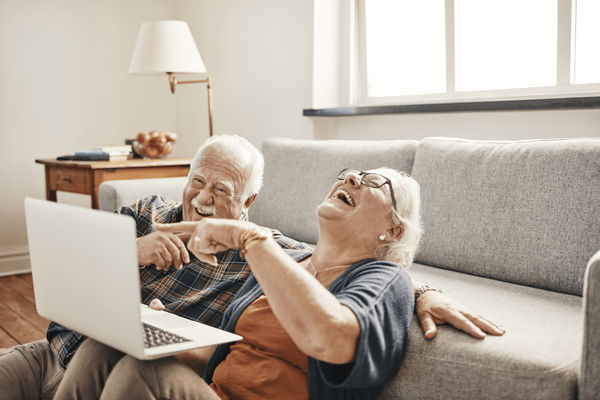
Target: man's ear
x,y
250,200
395,232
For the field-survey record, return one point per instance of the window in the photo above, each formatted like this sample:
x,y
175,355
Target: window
x,y
498,47
587,32
392,26
445,50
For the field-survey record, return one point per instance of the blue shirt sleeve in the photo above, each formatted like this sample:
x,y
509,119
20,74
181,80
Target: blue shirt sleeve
x,y
381,296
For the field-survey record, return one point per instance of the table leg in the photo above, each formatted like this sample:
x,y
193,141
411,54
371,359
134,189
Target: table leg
x,y
50,194
97,177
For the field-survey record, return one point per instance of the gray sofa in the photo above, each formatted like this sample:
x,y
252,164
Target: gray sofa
x,y
509,230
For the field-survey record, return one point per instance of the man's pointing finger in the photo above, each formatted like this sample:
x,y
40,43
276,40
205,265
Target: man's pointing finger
x,y
186,227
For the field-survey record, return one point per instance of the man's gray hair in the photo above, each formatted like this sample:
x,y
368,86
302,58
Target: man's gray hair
x,y
408,204
255,179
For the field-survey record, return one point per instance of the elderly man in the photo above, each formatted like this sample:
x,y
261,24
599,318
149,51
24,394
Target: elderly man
x,y
225,178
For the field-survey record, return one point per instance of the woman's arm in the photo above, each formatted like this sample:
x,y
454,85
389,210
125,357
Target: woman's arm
x,y
435,308
318,323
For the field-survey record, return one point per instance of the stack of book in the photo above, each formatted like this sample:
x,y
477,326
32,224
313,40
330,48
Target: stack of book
x,y
104,153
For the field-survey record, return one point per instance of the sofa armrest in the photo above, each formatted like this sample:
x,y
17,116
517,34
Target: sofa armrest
x,y
589,377
114,194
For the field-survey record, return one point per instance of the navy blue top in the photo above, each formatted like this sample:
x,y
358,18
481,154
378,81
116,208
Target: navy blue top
x,y
381,296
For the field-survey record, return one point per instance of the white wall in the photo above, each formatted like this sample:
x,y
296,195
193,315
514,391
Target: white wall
x,y
64,86
63,74
259,56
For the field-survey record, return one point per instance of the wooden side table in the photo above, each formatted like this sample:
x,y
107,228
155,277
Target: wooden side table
x,y
86,176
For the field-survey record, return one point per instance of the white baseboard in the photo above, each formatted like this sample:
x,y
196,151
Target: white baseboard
x,y
14,260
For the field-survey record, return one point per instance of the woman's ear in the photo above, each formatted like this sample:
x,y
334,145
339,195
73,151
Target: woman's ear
x,y
395,232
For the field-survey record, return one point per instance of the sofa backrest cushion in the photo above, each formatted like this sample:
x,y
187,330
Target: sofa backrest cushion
x,y
112,195
300,173
526,212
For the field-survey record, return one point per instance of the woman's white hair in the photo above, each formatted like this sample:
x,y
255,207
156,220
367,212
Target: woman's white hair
x,y
408,205
255,179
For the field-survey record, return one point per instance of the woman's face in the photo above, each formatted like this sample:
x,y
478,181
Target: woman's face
x,y
352,207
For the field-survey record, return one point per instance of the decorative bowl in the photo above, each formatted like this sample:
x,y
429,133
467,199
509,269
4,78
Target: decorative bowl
x,y
154,144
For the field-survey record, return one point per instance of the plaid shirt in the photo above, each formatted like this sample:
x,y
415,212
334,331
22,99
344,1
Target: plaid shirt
x,y
198,291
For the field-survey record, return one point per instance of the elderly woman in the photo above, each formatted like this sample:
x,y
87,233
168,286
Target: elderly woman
x,y
331,324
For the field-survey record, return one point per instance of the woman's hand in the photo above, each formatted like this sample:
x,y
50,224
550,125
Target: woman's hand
x,y
434,308
209,236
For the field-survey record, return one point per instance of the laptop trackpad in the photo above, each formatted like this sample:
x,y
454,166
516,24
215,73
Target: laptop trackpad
x,y
163,319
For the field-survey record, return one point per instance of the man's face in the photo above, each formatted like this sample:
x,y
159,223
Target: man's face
x,y
214,189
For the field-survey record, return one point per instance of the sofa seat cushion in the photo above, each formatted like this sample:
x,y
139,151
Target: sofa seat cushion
x,y
537,358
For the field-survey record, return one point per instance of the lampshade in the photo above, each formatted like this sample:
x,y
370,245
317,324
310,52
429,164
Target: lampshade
x,y
165,46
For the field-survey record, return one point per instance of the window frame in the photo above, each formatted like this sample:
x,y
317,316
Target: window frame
x,y
565,67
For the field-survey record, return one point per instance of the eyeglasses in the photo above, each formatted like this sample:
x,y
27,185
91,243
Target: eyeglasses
x,y
369,179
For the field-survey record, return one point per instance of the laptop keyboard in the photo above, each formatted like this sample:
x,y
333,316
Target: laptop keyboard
x,y
154,337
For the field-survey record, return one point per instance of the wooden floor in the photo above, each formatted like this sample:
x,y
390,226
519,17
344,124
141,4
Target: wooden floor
x,y
19,321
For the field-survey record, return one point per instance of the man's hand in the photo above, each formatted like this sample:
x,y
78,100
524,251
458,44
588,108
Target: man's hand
x,y
163,249
434,308
209,235
157,305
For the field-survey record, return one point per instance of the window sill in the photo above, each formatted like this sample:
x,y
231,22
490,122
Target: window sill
x,y
565,103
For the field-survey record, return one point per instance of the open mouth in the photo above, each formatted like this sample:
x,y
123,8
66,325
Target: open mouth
x,y
208,214
344,196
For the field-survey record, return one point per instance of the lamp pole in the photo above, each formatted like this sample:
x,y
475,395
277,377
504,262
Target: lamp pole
x,y
173,82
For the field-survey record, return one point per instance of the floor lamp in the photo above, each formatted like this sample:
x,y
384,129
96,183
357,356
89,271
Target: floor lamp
x,y
168,47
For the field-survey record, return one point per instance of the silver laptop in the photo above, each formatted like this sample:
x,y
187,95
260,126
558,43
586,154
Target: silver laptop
x,y
86,277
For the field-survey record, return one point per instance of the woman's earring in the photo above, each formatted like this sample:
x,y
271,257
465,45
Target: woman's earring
x,y
382,237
